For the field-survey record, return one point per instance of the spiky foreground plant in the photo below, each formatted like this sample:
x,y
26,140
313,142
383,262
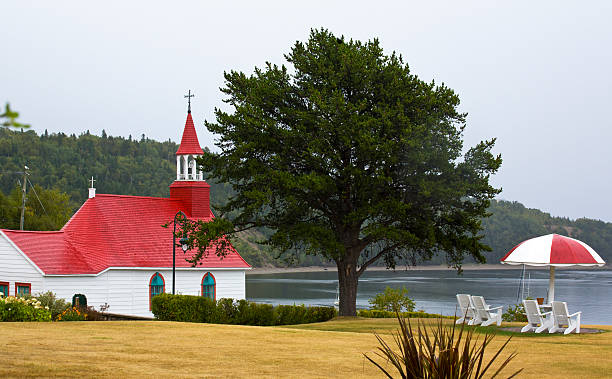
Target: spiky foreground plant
x,y
442,353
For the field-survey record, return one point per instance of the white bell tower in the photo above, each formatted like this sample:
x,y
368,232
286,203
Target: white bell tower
x,y
186,166
187,169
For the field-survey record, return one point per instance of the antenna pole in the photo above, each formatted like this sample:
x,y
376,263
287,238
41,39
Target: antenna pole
x,y
23,198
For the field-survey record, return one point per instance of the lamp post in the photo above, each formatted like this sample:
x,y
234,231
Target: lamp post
x,y
183,241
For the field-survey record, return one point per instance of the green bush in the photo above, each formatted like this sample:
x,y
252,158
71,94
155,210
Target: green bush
x,y
515,313
55,305
207,310
290,314
300,314
262,314
320,314
168,307
228,311
187,308
393,300
255,314
21,309
247,315
373,313
160,306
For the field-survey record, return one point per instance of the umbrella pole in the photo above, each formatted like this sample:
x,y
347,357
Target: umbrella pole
x,y
551,285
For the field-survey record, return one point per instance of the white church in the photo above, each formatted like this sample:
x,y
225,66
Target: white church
x,y
115,251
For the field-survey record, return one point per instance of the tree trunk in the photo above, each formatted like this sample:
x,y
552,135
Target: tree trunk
x,y
347,284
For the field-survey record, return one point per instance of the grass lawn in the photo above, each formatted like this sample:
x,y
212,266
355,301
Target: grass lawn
x,y
330,349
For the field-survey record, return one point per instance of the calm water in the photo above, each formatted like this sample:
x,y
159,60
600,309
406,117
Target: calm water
x,y
589,291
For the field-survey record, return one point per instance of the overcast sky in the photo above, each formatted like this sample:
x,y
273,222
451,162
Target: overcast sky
x,y
534,74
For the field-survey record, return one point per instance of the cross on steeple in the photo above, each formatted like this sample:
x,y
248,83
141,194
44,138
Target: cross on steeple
x,y
92,180
189,96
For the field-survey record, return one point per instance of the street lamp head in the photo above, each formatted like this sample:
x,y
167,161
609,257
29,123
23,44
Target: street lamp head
x,y
184,244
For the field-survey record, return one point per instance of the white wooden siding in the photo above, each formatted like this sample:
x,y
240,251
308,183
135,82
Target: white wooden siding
x,y
127,290
14,267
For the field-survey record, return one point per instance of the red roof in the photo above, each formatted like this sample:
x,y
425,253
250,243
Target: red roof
x,y
113,231
189,142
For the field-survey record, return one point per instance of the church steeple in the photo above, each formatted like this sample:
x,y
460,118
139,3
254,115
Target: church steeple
x,y
189,149
190,186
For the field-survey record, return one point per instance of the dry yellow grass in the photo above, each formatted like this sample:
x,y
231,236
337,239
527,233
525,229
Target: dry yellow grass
x,y
542,356
161,349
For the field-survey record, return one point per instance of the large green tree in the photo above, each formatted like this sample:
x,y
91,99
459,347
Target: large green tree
x,y
348,155
46,209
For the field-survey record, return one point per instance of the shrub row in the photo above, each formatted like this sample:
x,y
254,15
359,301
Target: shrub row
x,y
188,308
20,309
373,313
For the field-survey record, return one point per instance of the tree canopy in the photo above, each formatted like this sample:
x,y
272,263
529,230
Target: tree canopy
x,y
350,156
46,209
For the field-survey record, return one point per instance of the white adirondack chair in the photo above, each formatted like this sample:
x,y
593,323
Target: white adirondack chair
x,y
563,320
537,321
485,315
466,309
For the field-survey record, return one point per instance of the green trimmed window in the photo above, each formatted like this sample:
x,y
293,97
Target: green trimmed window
x,y
208,286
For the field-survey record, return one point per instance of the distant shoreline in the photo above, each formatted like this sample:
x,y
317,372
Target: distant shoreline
x,y
476,267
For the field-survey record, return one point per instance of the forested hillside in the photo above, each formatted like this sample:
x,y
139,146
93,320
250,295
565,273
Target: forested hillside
x,y
512,223
146,167
66,162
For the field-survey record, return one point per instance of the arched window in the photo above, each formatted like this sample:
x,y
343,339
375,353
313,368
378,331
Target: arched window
x,y
157,285
209,286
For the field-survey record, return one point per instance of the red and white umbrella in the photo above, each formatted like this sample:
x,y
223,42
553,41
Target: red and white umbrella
x,y
552,250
